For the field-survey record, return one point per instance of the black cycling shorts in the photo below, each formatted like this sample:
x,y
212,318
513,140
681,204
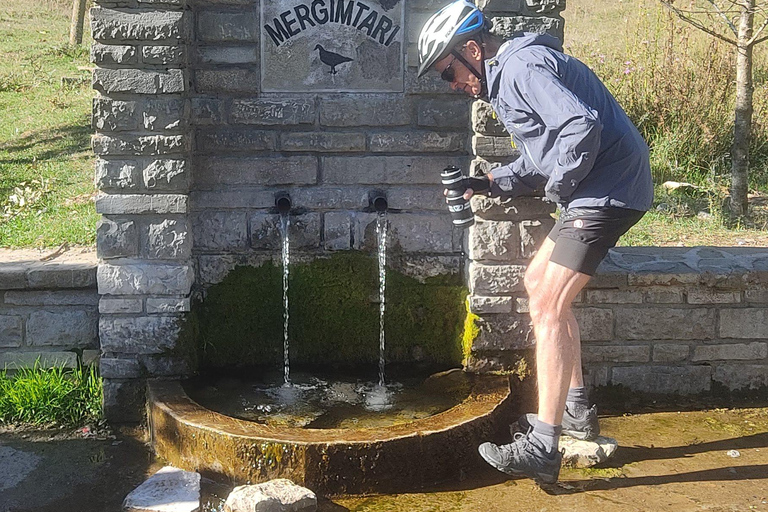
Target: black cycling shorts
x,y
583,236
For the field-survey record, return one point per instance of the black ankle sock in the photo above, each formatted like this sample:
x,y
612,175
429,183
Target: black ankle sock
x,y
546,436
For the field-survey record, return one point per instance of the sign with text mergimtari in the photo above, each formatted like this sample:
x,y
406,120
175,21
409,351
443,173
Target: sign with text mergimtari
x,y
332,45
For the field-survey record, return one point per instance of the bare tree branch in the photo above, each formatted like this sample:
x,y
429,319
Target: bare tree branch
x,y
722,15
754,39
696,23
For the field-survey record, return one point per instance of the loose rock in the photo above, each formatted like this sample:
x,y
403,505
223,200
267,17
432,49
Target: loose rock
x,y
169,490
585,454
279,495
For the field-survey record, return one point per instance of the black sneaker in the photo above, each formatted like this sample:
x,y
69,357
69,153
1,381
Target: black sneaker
x,y
584,427
522,457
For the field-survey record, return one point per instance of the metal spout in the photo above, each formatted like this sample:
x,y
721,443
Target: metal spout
x,y
283,202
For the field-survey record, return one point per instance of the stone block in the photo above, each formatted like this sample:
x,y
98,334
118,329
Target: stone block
x,y
661,295
678,380
409,232
90,357
518,209
19,360
228,54
212,269
167,175
501,6
614,296
113,54
258,171
710,296
522,305
139,335
137,81
124,400
428,142
416,198
493,280
67,328
280,494
13,276
595,376
116,238
595,324
744,323
490,305
741,376
166,366
756,296
116,368
11,331
665,324
670,352
494,147
133,25
114,115
141,204
273,112
227,81
149,279
532,234
76,275
443,113
384,170
506,27
216,26
322,141
615,353
162,114
209,111
109,306
221,230
168,486
163,55
664,278
121,144
731,351
365,110
585,454
178,305
503,332
117,175
303,231
53,298
337,231
494,241
485,121
167,239
226,141
237,198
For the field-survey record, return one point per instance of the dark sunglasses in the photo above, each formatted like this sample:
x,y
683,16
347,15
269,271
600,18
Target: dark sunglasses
x,y
449,74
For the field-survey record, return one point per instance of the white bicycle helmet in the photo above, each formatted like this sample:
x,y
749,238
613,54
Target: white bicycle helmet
x,y
451,25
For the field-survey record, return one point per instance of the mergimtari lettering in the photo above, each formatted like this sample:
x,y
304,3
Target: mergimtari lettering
x,y
351,13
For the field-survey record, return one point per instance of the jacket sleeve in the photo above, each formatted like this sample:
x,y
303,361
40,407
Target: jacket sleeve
x,y
506,179
559,133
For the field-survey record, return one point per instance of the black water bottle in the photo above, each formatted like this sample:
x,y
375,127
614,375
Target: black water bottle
x,y
460,208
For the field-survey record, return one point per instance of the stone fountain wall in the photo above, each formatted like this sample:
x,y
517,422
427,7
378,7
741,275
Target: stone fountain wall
x,y
205,109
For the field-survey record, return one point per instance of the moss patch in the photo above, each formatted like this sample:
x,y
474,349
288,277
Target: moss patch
x,y
334,315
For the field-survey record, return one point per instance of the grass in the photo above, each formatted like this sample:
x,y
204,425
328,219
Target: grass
x,y
46,170
40,396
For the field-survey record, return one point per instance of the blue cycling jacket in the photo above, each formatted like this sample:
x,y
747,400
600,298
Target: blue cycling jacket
x,y
576,142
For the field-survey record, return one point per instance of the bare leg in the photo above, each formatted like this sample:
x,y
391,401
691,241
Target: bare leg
x,y
557,342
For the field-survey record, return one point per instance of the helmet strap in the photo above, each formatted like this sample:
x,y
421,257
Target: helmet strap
x,y
479,74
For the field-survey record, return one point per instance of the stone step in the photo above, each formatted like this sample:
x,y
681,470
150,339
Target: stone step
x,y
169,490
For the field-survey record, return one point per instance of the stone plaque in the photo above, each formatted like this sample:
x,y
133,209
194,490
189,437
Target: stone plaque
x,y
332,45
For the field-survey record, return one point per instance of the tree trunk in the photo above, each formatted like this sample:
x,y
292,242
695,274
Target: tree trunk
x,y
743,120
78,19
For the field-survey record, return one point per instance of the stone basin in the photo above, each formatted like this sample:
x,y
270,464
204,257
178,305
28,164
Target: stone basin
x,y
397,458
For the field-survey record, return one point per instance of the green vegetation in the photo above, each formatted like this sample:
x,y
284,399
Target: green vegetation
x,y
677,85
44,396
46,169
334,315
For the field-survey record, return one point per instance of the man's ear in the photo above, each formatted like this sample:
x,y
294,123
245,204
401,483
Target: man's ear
x,y
474,50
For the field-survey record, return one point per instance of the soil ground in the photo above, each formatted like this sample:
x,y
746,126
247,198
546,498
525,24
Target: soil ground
x,y
668,459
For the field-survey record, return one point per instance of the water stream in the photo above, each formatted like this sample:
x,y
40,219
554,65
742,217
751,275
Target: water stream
x,y
381,232
284,224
